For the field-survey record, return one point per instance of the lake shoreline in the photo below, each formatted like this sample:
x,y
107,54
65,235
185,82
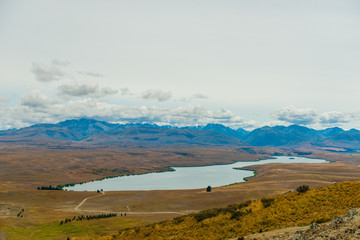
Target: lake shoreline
x,y
196,177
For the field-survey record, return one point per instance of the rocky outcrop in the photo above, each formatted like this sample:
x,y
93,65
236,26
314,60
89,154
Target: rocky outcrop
x,y
341,227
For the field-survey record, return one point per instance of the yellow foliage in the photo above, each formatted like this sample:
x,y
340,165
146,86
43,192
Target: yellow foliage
x,y
287,210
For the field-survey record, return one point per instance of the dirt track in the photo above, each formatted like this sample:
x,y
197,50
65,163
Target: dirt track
x,y
127,213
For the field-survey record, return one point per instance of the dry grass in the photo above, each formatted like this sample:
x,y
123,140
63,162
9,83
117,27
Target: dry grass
x,y
286,210
22,170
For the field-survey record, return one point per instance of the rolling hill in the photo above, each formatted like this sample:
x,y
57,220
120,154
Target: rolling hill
x,y
238,220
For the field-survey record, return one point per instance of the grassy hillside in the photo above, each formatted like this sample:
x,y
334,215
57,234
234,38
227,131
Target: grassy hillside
x,y
287,210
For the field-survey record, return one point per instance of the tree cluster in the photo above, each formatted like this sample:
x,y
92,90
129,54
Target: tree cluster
x,y
88,217
58,187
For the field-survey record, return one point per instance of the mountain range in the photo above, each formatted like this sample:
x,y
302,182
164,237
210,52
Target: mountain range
x,y
93,132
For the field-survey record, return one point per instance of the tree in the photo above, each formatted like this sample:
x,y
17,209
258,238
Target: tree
x,y
208,189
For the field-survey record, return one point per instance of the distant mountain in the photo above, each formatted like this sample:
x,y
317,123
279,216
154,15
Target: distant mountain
x,y
70,130
161,137
239,133
90,131
299,136
93,132
346,139
282,136
328,132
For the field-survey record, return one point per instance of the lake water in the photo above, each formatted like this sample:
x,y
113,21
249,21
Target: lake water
x,y
186,177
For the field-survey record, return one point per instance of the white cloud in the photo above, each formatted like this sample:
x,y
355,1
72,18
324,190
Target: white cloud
x,y
309,116
60,63
45,73
36,107
36,99
125,91
290,114
92,74
199,95
157,94
337,117
194,96
85,90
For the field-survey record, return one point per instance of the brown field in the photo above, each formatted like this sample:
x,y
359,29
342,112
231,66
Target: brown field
x,y
22,170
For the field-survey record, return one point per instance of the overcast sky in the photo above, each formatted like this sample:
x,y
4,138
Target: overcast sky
x,y
240,63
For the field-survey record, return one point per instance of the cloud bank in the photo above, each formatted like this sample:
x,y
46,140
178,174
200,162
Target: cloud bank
x,y
36,107
309,116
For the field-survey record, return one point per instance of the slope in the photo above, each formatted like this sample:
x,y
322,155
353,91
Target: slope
x,y
238,220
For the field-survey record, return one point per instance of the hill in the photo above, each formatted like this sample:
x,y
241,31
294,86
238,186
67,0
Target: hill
x,y
341,227
238,220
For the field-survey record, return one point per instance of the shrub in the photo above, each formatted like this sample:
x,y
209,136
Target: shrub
x,y
178,220
236,215
206,214
267,202
302,188
245,204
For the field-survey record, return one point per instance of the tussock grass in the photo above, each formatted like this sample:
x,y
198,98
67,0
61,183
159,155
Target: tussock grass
x,y
237,220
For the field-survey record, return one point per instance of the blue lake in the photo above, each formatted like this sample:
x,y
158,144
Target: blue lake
x,y
186,177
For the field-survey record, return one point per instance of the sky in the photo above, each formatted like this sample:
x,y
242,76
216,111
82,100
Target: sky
x,y
244,64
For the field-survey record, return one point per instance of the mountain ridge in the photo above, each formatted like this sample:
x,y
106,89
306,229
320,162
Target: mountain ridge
x,y
91,131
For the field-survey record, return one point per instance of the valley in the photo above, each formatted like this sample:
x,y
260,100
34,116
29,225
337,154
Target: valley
x,y
179,120
25,166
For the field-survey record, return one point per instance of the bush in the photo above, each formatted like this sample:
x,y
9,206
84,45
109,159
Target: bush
x,y
267,202
178,220
206,214
302,188
236,215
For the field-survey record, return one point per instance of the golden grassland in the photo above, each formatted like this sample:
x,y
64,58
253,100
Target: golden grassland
x,y
45,209
23,169
237,220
